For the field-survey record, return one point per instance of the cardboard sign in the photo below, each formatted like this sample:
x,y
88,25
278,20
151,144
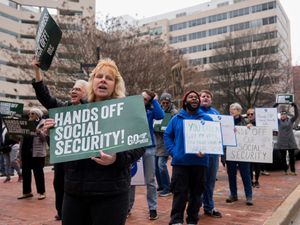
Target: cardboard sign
x,y
284,98
47,39
112,126
19,126
11,108
253,145
161,125
204,136
137,173
227,127
266,117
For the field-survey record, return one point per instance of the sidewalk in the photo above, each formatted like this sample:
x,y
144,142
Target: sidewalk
x,y
269,203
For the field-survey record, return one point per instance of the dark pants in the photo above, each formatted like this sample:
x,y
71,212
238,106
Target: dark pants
x,y
95,210
37,165
187,185
291,157
256,168
58,184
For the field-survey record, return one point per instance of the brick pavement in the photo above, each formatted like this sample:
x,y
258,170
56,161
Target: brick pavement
x,y
273,191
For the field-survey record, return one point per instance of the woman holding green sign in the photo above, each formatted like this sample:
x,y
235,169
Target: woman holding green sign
x,y
97,189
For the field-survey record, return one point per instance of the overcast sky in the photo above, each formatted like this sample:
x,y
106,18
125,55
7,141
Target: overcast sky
x,y
142,8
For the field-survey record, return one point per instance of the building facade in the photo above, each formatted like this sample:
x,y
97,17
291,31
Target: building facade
x,y
199,30
18,23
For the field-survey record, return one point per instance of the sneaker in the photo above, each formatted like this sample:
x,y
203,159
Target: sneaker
x,y
249,201
164,194
159,189
293,174
231,199
41,196
153,214
29,195
213,213
265,173
6,180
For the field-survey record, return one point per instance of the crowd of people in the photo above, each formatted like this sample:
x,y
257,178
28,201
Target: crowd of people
x,y
98,190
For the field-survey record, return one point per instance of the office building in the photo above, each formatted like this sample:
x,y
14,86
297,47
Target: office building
x,y
18,23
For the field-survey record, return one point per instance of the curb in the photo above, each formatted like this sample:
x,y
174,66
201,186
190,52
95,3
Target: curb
x,y
285,212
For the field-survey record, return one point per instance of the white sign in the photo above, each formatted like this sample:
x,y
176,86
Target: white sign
x,y
137,173
202,136
266,117
227,127
253,145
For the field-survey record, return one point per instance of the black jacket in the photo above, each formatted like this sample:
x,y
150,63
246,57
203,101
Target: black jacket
x,y
86,177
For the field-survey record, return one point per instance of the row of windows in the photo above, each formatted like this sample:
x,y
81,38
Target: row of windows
x,y
223,30
242,54
223,16
234,41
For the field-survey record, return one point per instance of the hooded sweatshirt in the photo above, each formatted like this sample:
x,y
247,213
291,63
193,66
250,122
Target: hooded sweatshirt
x,y
174,140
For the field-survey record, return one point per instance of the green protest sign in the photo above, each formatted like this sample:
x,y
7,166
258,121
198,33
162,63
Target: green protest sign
x,y
161,125
11,108
47,39
112,126
19,126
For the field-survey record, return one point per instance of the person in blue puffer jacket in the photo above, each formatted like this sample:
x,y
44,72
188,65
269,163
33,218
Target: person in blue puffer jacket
x,y
189,170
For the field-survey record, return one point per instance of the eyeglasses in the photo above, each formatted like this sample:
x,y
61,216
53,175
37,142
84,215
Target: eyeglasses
x,y
250,114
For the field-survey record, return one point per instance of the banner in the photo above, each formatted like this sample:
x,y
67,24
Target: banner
x,y
19,126
47,39
266,117
227,127
137,173
112,126
253,145
161,125
11,108
204,136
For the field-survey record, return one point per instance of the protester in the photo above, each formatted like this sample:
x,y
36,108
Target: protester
x,y
9,150
77,95
254,167
162,155
97,189
244,167
188,170
286,139
213,161
154,112
33,153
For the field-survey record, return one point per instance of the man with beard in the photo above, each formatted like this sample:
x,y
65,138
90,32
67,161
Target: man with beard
x,y
189,170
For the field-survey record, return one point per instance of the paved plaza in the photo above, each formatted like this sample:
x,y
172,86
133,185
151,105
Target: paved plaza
x,y
272,193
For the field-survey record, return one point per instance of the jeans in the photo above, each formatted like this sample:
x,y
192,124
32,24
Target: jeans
x,y
149,173
213,166
244,168
91,210
162,173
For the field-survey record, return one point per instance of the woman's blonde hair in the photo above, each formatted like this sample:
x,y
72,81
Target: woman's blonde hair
x,y
119,91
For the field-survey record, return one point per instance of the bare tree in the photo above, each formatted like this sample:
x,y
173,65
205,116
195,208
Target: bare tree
x,y
249,68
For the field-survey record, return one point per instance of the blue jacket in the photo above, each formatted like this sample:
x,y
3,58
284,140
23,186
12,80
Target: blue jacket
x,y
154,112
209,110
174,140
